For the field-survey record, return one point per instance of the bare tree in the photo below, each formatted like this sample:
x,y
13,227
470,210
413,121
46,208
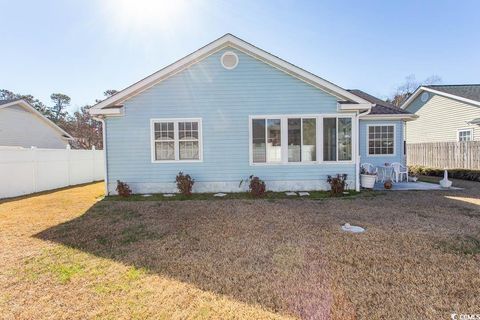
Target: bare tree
x,y
86,131
405,90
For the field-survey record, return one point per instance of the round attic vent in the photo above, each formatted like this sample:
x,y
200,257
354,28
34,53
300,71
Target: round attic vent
x,y
229,60
424,97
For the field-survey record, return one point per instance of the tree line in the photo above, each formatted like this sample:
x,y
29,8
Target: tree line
x,y
86,131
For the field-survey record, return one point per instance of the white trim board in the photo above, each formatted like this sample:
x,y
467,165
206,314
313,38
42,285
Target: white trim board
x,y
404,117
24,104
229,40
417,92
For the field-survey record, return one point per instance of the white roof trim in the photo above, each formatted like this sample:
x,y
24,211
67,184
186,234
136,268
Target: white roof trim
x,y
231,41
30,108
398,116
417,92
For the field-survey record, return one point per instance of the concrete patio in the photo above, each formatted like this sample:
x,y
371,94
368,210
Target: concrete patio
x,y
407,186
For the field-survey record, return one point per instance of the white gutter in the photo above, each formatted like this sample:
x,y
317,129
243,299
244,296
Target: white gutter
x,y
357,148
104,135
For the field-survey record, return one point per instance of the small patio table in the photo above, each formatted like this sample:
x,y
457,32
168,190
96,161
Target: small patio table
x,y
386,171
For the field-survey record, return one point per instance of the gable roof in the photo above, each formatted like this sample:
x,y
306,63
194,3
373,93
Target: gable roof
x,y
468,93
20,102
113,104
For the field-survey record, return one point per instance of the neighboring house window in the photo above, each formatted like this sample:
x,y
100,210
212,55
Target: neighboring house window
x,y
295,139
465,135
176,140
381,139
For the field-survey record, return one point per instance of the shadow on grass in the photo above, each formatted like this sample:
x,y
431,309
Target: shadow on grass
x,y
257,252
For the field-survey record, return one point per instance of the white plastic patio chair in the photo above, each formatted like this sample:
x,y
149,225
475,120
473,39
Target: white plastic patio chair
x,y
400,170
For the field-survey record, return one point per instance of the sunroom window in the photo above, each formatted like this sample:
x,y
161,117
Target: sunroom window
x,y
176,140
266,140
302,139
337,139
290,139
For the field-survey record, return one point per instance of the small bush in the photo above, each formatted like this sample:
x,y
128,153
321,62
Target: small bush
x,y
184,183
256,186
464,174
338,184
123,189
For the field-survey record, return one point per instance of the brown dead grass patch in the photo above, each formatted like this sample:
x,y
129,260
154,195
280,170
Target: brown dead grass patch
x,y
252,259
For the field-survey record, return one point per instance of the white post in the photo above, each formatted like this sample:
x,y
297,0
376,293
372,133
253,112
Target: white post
x,y
68,163
93,163
35,167
357,153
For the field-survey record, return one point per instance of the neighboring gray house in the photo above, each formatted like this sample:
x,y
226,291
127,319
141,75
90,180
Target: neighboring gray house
x,y
21,125
446,113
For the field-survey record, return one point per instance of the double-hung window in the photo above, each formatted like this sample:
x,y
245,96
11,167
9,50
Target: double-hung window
x,y
465,135
176,140
381,140
297,139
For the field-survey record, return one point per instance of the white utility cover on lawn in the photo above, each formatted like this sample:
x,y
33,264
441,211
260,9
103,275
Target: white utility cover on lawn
x,y
355,229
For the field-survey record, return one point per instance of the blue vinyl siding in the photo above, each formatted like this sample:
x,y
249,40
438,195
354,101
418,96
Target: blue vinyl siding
x,y
381,160
224,99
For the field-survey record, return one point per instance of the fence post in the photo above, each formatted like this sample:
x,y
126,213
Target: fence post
x,y
35,168
93,163
69,164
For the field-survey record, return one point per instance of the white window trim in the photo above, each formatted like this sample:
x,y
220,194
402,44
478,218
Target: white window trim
x,y
319,138
394,139
463,130
176,140
229,53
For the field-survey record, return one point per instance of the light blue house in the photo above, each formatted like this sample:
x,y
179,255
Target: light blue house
x,y
230,110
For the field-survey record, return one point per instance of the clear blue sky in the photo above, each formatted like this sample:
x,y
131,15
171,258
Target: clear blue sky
x,y
84,47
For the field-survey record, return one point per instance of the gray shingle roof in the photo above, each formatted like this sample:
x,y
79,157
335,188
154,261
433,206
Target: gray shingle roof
x,y
380,107
467,91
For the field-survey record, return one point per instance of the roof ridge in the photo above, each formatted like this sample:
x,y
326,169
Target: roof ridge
x,y
452,85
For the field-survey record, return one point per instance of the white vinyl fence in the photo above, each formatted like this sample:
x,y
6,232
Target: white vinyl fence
x,y
24,171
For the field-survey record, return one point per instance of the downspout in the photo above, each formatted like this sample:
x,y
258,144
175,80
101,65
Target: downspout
x,y
104,138
357,148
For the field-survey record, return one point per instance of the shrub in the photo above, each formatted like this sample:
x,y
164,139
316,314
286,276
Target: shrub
x,y
184,183
338,184
123,189
256,186
464,174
